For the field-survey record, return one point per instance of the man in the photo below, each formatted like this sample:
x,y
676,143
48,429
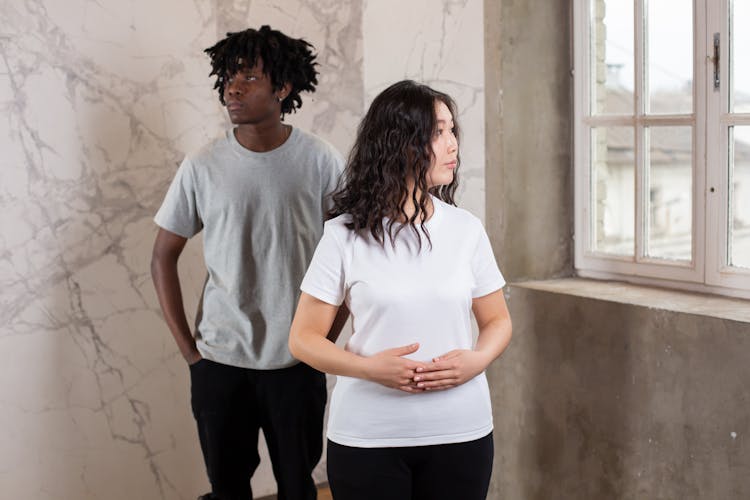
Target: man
x,y
259,196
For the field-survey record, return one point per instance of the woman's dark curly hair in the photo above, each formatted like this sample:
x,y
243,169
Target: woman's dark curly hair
x,y
394,144
284,60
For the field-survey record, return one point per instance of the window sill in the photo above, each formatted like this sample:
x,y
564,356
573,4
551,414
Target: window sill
x,y
646,296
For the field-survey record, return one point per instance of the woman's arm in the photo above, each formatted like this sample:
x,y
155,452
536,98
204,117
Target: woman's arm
x,y
313,324
456,367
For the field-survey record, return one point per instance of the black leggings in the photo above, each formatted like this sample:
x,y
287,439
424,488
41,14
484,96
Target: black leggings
x,y
444,471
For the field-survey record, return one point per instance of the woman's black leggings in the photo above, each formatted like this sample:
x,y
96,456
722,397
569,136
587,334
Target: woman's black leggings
x,y
437,472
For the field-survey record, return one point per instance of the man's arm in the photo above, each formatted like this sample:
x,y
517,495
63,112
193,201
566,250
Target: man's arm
x,y
338,323
167,249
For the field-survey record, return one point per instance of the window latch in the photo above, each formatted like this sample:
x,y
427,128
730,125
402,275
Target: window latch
x,y
715,60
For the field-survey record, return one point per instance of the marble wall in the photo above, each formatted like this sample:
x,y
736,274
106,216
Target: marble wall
x,y
100,101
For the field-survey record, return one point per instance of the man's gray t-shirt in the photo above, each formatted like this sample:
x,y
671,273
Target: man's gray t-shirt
x,y
262,216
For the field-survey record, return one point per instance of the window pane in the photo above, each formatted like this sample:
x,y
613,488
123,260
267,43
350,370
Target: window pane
x,y
613,189
612,57
669,56
669,177
739,197
739,57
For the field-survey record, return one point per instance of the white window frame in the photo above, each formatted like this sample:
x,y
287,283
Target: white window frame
x,y
708,270
718,273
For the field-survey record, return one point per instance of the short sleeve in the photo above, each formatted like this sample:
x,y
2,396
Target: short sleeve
x,y
325,277
179,211
487,276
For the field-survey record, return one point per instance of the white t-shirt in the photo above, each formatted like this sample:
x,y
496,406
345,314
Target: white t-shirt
x,y
398,296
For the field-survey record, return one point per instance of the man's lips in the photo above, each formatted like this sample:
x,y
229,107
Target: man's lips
x,y
234,106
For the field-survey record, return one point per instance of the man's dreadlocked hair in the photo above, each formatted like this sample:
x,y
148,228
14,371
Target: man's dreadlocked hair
x,y
284,60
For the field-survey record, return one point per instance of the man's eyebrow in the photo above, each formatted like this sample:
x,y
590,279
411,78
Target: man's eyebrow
x,y
246,69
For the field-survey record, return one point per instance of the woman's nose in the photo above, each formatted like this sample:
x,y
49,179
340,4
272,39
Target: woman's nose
x,y
453,143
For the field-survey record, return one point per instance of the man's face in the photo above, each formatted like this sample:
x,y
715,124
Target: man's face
x,y
250,98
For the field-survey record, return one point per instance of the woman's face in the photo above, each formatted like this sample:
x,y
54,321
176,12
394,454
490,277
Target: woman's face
x,y
444,149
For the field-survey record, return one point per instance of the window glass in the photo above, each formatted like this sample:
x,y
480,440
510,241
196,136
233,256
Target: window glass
x,y
613,189
669,56
739,57
739,196
612,57
669,212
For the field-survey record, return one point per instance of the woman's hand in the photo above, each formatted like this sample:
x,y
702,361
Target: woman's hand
x,y
391,369
461,365
310,341
451,369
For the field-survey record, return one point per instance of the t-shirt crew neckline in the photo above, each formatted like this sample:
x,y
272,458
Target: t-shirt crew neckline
x,y
434,219
242,150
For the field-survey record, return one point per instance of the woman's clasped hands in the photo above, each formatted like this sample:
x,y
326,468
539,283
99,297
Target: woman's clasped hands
x,y
392,369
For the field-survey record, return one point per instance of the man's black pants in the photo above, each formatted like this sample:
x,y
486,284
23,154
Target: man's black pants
x,y
232,404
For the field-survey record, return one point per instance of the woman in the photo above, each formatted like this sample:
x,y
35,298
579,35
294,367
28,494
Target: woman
x,y
410,415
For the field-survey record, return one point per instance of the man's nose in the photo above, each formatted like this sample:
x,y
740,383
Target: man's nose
x,y
232,87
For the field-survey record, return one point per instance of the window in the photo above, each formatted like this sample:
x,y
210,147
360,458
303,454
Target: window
x,y
662,142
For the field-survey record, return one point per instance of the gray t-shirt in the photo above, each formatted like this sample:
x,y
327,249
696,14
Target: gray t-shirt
x,y
261,216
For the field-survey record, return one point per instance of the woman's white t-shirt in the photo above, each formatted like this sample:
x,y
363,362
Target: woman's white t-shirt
x,y
398,296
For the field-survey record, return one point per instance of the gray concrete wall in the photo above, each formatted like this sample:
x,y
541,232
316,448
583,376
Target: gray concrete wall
x,y
529,193
597,399
593,399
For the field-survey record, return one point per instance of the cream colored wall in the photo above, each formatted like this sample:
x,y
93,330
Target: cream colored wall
x,y
440,43
100,101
